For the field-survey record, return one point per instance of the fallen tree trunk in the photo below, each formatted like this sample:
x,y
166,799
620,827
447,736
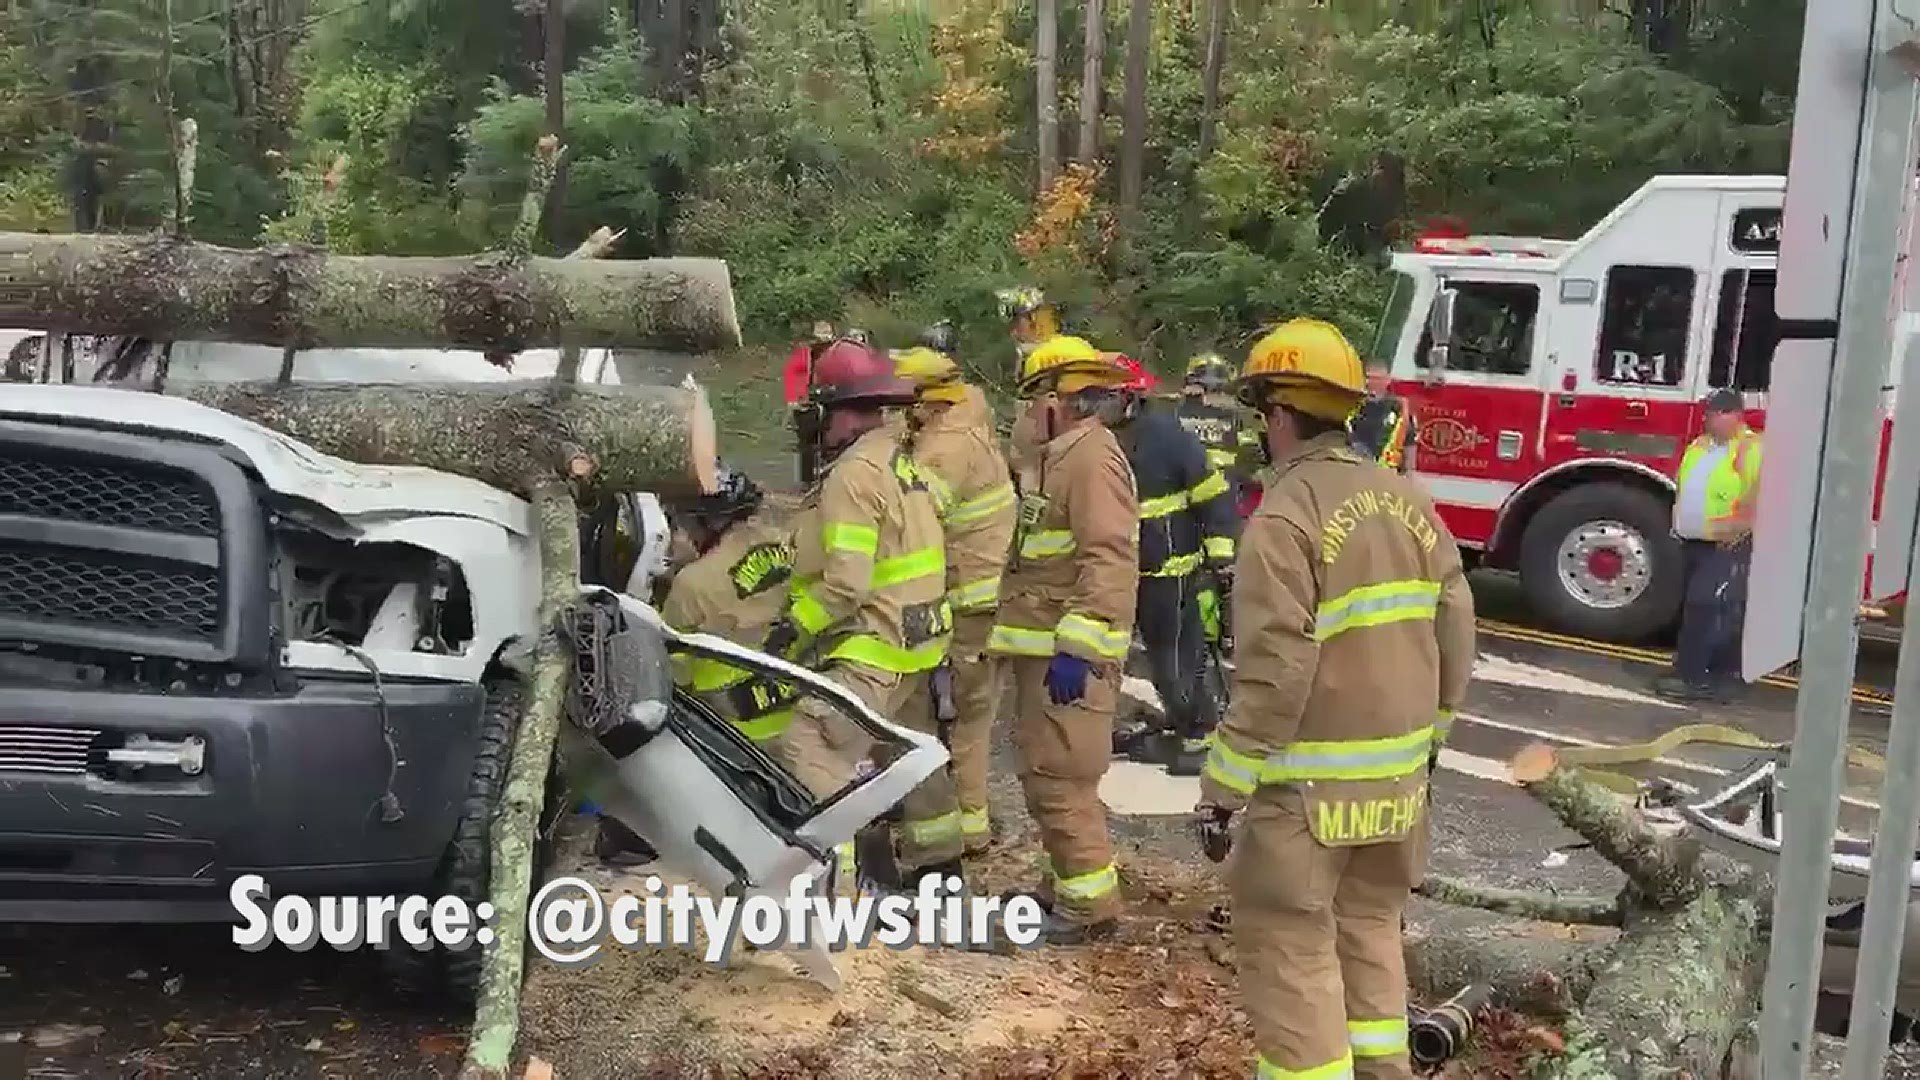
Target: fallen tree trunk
x,y
167,289
497,1013
1674,991
511,435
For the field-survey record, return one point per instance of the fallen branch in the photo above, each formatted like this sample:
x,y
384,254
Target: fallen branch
x,y
1523,903
601,439
497,1016
168,289
1672,994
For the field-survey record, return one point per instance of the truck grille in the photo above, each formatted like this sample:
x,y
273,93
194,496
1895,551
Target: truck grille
x,y
99,493
99,589
45,749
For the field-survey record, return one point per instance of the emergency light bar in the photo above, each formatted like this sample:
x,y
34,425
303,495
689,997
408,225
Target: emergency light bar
x,y
1521,246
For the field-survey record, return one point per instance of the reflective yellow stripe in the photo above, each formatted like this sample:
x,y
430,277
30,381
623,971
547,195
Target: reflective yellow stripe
x,y
1231,769
809,613
762,728
975,822
1161,505
859,539
927,562
1377,1038
1088,886
875,653
975,594
942,494
1047,544
1376,605
985,504
845,856
1341,1069
1214,486
1176,566
1020,641
1350,759
1442,724
1094,634
1222,459
1219,547
934,830
708,675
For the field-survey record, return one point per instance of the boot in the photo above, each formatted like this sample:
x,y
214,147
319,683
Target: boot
x,y
1055,930
911,879
1154,748
1035,895
1189,759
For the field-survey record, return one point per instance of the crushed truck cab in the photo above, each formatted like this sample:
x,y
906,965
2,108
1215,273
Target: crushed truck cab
x,y
223,652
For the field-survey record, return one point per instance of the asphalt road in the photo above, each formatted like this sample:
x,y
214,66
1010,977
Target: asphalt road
x,y
133,1001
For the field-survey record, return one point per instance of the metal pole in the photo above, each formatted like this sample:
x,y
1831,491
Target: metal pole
x,y
1829,638
1888,890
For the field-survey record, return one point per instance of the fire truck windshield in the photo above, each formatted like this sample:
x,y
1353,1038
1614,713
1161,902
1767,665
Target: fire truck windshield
x,y
1386,336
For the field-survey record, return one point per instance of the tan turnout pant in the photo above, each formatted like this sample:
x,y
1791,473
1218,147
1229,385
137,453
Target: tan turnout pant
x,y
821,746
1064,751
1318,943
976,700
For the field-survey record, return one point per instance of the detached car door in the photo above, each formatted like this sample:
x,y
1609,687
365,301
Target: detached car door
x,y
712,803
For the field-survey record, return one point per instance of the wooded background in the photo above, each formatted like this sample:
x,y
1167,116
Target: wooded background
x,y
1199,168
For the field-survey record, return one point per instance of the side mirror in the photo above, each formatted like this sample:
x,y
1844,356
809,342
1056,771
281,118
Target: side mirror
x,y
1440,328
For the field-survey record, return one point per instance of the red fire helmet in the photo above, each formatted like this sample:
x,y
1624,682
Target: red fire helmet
x,y
1142,381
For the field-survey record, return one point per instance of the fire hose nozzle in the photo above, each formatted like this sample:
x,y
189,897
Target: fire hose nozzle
x,y
1436,1035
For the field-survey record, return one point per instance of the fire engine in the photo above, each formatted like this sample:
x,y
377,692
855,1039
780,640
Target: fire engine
x,y
1567,385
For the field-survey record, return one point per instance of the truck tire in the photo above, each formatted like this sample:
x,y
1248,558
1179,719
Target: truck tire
x,y
466,866
1600,561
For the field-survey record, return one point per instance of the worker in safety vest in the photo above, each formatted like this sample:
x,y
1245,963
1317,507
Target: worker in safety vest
x,y
1713,517
954,441
867,602
1354,629
1066,623
1187,528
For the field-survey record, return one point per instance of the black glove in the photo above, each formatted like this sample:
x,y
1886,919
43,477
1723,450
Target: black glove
x,y
1213,826
781,638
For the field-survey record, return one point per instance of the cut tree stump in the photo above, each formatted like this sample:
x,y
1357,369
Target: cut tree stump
x,y
166,289
511,435
1671,994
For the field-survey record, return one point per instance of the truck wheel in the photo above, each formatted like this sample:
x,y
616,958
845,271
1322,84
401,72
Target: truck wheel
x,y
1600,561
466,867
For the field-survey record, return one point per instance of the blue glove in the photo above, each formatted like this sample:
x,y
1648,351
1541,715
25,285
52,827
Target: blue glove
x,y
1067,679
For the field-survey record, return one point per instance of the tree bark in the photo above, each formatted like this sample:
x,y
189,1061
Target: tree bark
x,y
159,288
513,436
1046,66
1133,138
1094,45
1218,12
868,62
497,1016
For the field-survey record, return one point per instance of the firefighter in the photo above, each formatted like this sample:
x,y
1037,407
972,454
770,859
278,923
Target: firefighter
x,y
1383,427
954,441
1355,635
1066,623
1210,413
1187,527
1031,319
734,587
867,602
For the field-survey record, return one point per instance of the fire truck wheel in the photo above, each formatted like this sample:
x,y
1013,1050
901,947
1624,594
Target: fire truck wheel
x,y
1600,561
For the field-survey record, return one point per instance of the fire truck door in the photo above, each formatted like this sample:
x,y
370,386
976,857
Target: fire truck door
x,y
1626,366
1479,420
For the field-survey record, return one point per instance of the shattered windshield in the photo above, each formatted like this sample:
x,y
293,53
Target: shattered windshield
x,y
1386,336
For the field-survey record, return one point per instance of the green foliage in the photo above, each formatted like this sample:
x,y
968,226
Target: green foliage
x,y
888,203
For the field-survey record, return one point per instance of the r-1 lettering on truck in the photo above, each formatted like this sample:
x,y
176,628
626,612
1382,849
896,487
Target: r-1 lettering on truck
x,y
1553,423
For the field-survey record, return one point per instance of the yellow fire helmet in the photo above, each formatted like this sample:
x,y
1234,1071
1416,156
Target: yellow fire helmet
x,y
1307,365
934,374
1066,364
